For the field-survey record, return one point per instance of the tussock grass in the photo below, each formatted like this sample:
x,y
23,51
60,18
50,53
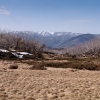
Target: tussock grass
x,y
13,67
38,67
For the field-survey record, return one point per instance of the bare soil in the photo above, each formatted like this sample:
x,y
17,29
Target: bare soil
x,y
50,84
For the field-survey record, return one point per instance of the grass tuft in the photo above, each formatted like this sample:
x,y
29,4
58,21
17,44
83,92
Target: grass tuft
x,y
13,67
38,67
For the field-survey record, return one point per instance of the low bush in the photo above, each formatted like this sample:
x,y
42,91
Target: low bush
x,y
88,65
7,55
13,67
73,56
28,57
55,64
38,67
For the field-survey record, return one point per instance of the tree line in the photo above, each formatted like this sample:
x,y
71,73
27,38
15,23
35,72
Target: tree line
x,y
9,40
89,48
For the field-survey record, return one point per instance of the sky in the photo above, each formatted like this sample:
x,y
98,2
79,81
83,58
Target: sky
x,y
79,16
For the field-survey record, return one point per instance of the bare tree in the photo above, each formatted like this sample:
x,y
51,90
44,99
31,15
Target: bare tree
x,y
19,42
92,48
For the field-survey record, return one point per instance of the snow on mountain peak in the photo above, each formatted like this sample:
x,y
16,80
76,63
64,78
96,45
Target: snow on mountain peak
x,y
48,33
45,33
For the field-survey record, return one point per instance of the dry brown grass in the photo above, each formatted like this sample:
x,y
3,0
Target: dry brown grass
x,y
50,84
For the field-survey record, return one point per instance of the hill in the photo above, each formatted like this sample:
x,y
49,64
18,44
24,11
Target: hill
x,y
58,39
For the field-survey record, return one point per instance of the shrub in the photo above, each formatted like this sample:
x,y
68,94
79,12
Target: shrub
x,y
88,65
73,56
13,67
37,67
28,57
55,64
7,55
82,65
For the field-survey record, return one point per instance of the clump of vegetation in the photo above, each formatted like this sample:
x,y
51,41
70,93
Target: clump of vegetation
x,y
38,67
28,57
76,63
83,65
7,55
13,67
88,65
73,56
55,64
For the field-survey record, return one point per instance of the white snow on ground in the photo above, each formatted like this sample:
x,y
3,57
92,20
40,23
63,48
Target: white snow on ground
x,y
3,50
24,53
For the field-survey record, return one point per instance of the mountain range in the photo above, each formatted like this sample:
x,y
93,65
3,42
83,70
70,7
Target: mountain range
x,y
58,39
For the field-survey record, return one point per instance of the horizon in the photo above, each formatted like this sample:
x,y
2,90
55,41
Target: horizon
x,y
51,15
51,32
44,32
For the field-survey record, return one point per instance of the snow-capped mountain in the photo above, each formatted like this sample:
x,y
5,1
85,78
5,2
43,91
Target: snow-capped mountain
x,y
47,33
57,39
43,33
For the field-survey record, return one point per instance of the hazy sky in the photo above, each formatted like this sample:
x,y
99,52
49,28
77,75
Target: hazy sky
x,y
82,16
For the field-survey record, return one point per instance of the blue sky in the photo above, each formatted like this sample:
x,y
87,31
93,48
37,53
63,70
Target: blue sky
x,y
82,16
